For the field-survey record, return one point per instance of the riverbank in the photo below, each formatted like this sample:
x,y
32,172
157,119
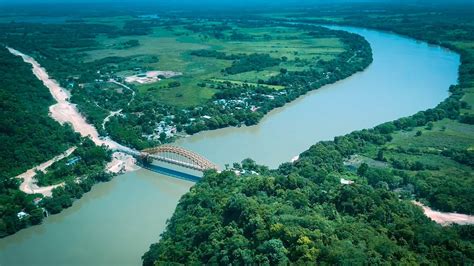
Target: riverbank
x,y
122,163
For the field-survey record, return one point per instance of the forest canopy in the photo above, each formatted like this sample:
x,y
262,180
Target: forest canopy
x,y
28,136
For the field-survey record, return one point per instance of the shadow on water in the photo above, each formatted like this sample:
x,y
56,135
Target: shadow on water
x,y
171,172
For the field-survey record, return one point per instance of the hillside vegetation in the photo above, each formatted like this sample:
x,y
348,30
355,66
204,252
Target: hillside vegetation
x,y
28,135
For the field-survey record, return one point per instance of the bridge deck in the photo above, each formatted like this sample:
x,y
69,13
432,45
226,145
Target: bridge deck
x,y
177,162
178,156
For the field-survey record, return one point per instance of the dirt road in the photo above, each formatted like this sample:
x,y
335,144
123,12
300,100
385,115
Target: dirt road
x,y
29,182
65,112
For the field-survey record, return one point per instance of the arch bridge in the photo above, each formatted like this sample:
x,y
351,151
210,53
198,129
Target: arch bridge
x,y
177,156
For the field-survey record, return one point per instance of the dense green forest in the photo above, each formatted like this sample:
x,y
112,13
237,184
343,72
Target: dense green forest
x,y
28,137
277,219
301,213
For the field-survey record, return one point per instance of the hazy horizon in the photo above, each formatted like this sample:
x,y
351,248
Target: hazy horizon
x,y
234,3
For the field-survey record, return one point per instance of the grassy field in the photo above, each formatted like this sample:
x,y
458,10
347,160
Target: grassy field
x,y
443,135
173,45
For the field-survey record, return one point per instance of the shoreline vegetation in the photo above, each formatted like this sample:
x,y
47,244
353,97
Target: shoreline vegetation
x,y
301,213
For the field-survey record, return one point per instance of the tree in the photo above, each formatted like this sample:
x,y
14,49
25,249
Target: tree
x,y
36,216
162,136
274,252
174,84
380,156
362,170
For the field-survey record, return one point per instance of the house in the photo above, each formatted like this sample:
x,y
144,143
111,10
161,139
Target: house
x,y
22,215
36,201
271,97
73,160
346,182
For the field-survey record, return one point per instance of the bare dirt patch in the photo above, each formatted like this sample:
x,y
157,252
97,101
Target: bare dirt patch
x,y
151,76
29,182
121,162
446,218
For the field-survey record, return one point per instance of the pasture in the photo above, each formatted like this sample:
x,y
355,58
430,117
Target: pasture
x,y
172,46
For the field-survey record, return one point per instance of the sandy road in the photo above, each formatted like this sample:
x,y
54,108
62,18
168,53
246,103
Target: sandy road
x,y
65,112
111,114
125,87
29,183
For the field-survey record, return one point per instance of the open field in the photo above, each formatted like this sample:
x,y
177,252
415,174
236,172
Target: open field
x,y
172,45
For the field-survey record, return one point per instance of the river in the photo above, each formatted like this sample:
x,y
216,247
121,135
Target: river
x,y
116,222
